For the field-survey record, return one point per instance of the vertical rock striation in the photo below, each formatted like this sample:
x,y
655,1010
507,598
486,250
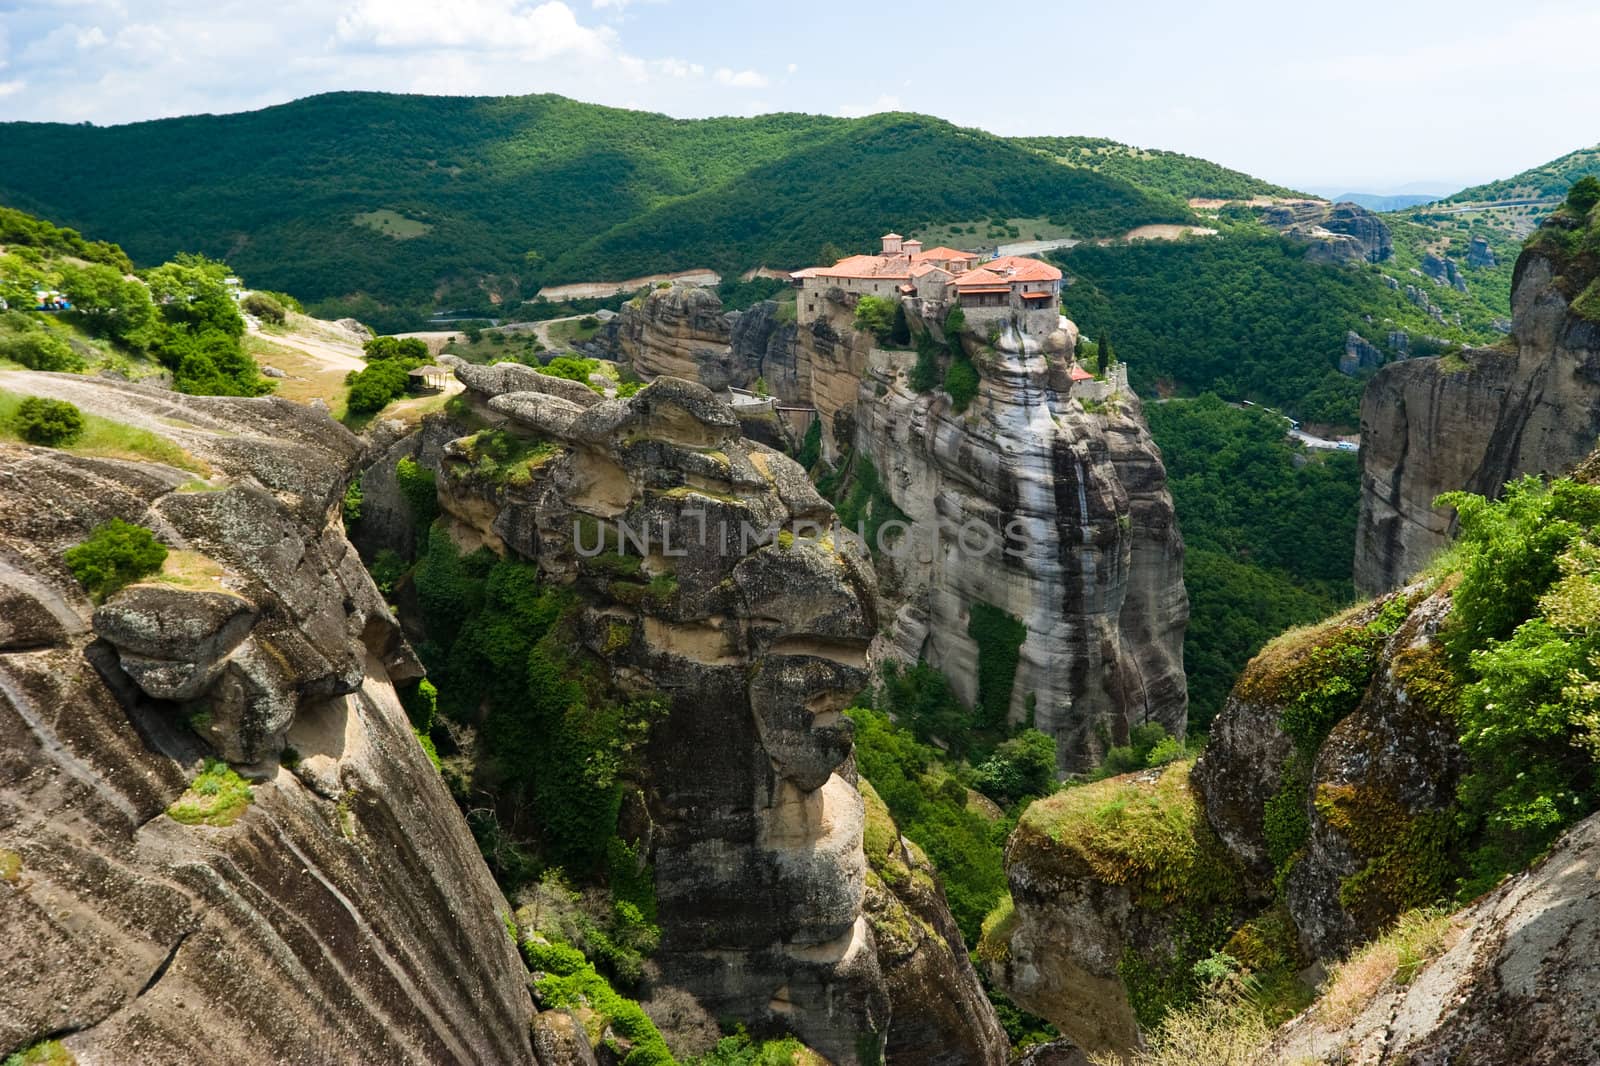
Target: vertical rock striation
x,y
1097,574
752,816
1479,419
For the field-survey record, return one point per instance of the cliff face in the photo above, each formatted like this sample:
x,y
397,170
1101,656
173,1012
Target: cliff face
x,y
346,914
751,818
1096,570
1092,563
1515,983
1477,420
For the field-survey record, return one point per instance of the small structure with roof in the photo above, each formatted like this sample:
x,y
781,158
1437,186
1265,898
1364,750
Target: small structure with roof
x,y
429,377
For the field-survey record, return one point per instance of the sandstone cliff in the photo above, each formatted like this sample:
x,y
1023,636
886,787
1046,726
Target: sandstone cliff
x,y
750,811
1082,546
1513,984
346,914
1476,420
1098,579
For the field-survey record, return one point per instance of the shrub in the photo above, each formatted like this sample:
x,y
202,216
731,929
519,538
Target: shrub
x,y
1584,194
51,423
40,350
350,508
999,638
924,376
961,382
875,315
811,445
1020,769
217,797
115,554
955,323
265,307
372,389
419,486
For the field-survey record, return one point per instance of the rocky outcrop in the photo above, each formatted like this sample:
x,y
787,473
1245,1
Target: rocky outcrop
x,y
1056,515
1359,354
1332,770
1095,569
1515,984
1101,905
1479,254
345,915
679,331
1476,420
1335,233
751,819
1443,270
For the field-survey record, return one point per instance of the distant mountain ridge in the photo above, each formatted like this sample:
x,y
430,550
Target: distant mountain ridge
x,y
418,202
1546,181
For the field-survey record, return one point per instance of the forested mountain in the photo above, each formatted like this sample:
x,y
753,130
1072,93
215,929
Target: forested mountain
x,y
1546,181
1173,173
420,201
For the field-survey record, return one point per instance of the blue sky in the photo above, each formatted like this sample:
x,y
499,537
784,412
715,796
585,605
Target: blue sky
x,y
1364,94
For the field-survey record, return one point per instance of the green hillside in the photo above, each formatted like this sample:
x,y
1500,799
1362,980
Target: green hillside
x,y
1173,173
419,202
1546,181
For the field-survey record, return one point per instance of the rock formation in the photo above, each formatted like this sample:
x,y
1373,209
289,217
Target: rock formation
x,y
756,642
1098,581
1516,983
1476,420
1068,527
1096,904
1336,233
346,914
1379,782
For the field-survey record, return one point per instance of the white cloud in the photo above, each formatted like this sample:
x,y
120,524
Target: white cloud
x,y
793,67
8,88
678,68
534,31
885,102
743,79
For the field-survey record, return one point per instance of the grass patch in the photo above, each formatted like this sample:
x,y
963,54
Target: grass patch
x,y
217,797
104,438
1145,831
570,331
191,570
391,224
10,866
1397,956
48,1053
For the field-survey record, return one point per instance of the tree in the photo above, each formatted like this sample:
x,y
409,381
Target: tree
x,y
1108,357
400,348
372,389
1584,194
48,422
925,375
875,314
115,554
108,304
39,350
955,323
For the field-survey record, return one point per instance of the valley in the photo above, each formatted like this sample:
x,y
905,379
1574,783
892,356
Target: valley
x,y
830,645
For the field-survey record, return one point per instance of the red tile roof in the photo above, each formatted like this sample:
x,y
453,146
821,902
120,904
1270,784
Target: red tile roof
x,y
1021,268
1078,373
892,237
867,266
942,252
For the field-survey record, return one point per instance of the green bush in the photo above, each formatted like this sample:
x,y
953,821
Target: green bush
x,y
1020,769
875,315
40,350
924,376
961,382
419,488
1584,194
999,638
51,423
374,388
811,444
265,307
116,554
350,508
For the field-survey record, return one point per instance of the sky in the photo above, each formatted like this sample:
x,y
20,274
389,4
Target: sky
x,y
1365,96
